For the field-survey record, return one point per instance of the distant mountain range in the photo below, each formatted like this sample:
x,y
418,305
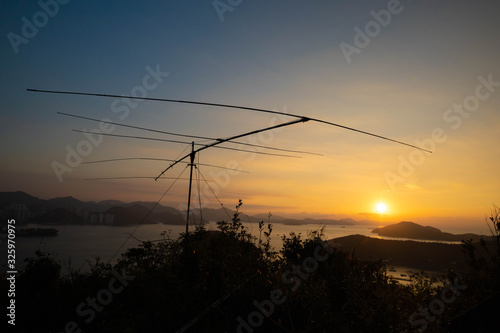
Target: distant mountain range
x,y
59,216
346,221
136,213
36,204
416,231
68,210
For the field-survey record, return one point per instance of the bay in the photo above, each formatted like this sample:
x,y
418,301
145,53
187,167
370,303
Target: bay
x,y
75,244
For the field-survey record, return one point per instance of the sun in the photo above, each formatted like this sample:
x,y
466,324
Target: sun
x,y
381,207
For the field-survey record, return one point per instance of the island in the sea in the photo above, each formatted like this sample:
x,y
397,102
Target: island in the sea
x,y
413,230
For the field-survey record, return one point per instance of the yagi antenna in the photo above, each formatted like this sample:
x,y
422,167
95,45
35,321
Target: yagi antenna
x,y
192,155
231,107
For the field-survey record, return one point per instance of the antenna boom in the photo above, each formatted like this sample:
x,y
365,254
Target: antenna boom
x,y
302,120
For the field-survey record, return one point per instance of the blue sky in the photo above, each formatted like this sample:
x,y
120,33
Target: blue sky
x,y
282,55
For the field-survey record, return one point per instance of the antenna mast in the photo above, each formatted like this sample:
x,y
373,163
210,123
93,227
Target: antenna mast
x,y
192,155
193,152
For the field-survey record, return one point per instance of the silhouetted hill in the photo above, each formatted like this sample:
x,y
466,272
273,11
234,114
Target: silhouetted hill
x,y
219,214
422,255
59,216
133,214
130,215
41,205
158,207
62,202
173,218
416,231
10,198
346,221
367,222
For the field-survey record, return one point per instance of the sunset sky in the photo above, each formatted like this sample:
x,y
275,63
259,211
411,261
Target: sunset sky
x,y
426,73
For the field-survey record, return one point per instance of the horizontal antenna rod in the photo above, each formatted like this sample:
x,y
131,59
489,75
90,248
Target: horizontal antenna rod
x,y
184,142
108,178
228,106
135,127
159,159
188,136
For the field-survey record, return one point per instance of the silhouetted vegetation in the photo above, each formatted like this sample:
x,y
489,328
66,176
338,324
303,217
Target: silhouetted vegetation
x,y
482,299
217,281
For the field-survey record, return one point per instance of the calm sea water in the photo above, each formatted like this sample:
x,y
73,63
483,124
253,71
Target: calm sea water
x,y
77,243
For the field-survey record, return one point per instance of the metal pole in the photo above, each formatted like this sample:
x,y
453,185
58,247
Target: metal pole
x,y
190,183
